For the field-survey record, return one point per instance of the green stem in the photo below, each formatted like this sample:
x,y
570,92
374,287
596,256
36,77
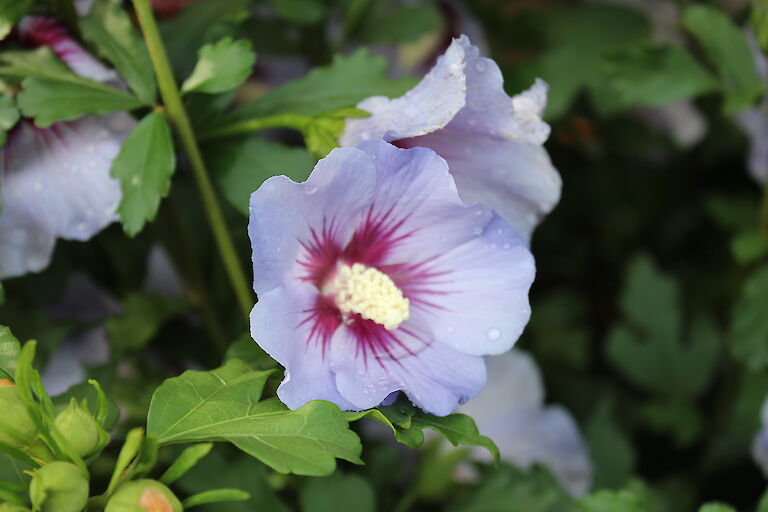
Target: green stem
x,y
295,121
178,116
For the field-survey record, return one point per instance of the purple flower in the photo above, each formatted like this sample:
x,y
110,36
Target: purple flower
x,y
55,182
511,411
373,277
492,143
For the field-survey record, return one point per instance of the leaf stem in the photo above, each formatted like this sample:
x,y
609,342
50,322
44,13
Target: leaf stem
x,y
178,117
295,121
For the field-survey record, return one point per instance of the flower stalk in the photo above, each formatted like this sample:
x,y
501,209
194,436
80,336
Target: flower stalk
x,y
179,119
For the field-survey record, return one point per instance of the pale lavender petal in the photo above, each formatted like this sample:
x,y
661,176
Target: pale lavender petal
x,y
427,107
754,122
283,214
516,180
277,325
435,379
482,292
41,31
67,364
55,183
760,441
492,143
510,411
395,212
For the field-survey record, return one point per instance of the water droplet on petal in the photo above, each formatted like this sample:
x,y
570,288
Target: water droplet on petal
x,y
506,246
493,334
480,66
478,230
310,189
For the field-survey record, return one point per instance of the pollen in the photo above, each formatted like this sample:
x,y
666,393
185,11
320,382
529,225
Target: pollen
x,y
370,293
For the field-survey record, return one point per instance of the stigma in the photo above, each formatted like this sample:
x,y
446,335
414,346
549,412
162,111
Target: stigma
x,y
370,293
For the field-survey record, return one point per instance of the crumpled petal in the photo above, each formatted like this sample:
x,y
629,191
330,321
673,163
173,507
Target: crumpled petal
x,y
492,142
55,183
511,411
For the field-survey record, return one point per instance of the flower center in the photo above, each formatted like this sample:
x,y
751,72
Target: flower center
x,y
371,294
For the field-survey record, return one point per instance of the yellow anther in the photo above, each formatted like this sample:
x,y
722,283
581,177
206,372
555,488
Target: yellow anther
x,y
370,293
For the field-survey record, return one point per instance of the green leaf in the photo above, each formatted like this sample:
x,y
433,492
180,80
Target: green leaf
x,y
215,496
458,429
221,66
609,448
9,352
9,115
199,23
132,446
243,472
648,349
749,324
612,501
144,167
49,101
186,461
387,23
240,165
407,423
716,507
248,351
337,492
52,92
142,317
727,49
299,11
509,489
224,405
110,29
656,75
11,12
571,65
347,81
759,20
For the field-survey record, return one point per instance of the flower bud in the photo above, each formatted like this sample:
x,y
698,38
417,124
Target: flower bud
x,y
8,507
17,428
147,495
58,487
81,430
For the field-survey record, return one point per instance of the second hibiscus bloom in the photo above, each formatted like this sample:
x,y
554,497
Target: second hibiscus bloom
x,y
373,277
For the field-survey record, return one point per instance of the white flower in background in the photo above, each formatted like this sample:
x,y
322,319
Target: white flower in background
x,y
511,411
55,181
760,441
754,121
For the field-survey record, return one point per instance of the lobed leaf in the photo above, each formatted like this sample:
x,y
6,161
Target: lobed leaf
x,y
144,167
110,29
221,66
729,52
224,405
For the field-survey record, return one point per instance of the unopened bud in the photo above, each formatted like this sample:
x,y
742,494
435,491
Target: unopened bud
x,y
147,495
8,507
81,430
17,429
58,487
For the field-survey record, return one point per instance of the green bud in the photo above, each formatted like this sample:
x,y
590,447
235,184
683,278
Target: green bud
x,y
17,428
58,487
81,430
148,495
8,507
